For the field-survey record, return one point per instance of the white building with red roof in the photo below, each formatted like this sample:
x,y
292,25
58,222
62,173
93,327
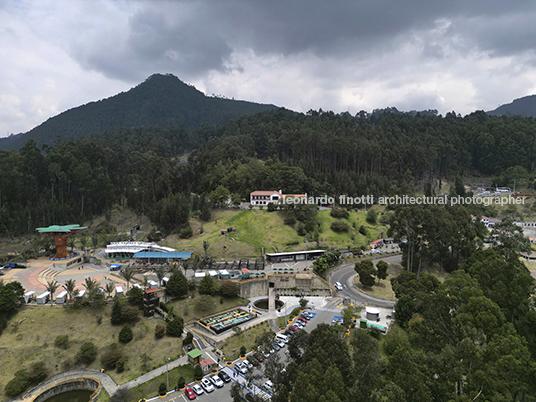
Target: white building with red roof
x,y
266,197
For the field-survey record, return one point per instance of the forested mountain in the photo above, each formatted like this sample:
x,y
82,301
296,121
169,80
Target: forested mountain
x,y
357,155
525,107
317,153
160,101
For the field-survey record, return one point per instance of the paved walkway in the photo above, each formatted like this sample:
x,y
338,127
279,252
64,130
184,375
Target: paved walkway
x,y
155,373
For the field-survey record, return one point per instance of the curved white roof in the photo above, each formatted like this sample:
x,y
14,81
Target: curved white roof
x,y
133,247
372,310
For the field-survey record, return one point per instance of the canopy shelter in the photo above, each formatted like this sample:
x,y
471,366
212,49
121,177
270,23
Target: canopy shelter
x,y
60,234
161,257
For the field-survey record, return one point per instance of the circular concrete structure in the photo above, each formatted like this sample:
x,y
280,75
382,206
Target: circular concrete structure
x,y
72,384
262,304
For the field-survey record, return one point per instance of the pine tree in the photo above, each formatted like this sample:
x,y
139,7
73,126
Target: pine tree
x,y
177,285
125,335
116,315
207,286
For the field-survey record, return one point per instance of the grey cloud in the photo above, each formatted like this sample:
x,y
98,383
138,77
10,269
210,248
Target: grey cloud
x,y
192,38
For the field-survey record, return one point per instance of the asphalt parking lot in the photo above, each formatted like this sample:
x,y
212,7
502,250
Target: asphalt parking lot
x,y
256,386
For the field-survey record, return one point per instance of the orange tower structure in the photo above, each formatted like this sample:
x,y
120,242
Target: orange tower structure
x,y
60,234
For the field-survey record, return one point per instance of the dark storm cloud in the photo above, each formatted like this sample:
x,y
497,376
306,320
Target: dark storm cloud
x,y
339,55
196,37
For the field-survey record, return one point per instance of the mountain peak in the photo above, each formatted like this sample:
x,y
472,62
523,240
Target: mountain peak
x,y
162,100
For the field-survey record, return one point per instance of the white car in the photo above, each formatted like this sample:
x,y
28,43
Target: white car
x,y
338,285
269,385
241,368
207,385
197,389
247,364
216,381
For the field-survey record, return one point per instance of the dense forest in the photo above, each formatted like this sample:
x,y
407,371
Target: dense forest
x,y
316,153
461,340
471,337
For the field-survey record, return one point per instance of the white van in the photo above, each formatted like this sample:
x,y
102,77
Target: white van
x,y
282,337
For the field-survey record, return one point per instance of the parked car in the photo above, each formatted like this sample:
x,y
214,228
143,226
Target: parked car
x,y
259,357
241,368
247,363
189,392
266,353
269,385
224,376
216,381
275,346
280,343
207,385
294,328
197,388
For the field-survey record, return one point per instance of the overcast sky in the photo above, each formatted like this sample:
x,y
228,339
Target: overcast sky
x,y
350,55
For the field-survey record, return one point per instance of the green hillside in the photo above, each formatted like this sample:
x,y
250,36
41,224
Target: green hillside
x,y
258,229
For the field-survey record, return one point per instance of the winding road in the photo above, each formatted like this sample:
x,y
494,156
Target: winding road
x,y
345,274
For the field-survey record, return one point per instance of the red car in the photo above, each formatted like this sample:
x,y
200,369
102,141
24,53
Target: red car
x,y
294,328
189,393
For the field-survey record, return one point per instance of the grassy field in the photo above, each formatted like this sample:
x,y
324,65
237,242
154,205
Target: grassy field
x,y
531,265
382,290
30,337
344,240
150,388
231,349
258,229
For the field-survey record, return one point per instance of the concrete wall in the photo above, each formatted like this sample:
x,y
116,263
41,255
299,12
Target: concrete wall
x,y
91,384
284,284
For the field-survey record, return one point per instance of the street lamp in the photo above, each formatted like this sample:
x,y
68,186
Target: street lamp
x,y
236,248
167,374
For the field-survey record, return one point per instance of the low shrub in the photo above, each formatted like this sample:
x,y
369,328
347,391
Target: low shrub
x,y
340,226
111,357
62,342
160,331
188,339
162,389
87,353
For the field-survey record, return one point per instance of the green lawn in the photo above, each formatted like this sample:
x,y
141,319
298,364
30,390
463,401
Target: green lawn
x,y
150,388
231,348
259,229
344,240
